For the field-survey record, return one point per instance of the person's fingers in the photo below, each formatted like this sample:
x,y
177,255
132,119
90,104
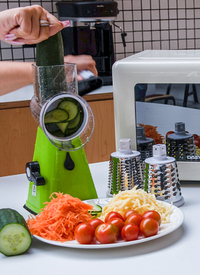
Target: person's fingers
x,y
93,70
54,24
29,29
79,77
27,22
26,25
83,62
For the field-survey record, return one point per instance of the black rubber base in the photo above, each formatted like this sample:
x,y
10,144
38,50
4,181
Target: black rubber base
x,y
29,210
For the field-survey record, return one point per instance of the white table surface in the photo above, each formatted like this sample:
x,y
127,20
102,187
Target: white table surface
x,y
176,253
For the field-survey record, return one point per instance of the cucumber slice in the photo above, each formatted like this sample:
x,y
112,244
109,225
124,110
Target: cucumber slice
x,y
74,122
58,133
70,107
15,237
56,115
52,127
63,126
96,211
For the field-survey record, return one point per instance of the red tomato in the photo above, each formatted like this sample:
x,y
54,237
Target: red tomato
x,y
195,136
152,214
84,233
149,227
113,214
129,212
118,222
134,218
95,222
197,142
130,232
106,233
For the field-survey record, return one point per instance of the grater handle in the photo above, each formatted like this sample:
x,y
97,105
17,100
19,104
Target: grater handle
x,y
125,146
159,151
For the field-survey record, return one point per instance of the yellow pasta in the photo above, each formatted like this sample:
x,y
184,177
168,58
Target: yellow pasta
x,y
138,200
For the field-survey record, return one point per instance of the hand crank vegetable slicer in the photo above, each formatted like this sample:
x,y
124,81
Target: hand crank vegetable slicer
x,y
66,124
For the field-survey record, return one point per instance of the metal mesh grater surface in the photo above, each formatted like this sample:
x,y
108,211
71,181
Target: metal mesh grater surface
x,y
180,145
144,146
125,170
162,178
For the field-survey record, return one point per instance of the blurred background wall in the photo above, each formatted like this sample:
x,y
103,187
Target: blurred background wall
x,y
149,24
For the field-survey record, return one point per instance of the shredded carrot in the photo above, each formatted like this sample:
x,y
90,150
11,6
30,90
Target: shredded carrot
x,y
151,132
58,219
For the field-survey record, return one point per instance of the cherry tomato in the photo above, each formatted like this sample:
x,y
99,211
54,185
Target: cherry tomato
x,y
149,227
134,218
130,232
95,222
129,212
154,215
113,214
118,222
106,233
84,233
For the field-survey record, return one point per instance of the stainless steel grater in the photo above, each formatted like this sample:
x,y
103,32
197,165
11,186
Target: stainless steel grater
x,y
161,176
125,169
181,145
144,144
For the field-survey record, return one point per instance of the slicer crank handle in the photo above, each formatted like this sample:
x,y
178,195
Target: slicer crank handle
x,y
33,173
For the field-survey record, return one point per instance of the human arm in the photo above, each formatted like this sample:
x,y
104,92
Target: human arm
x,y
14,75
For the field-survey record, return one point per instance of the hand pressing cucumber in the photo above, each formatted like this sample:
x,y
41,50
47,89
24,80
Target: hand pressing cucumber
x,y
15,237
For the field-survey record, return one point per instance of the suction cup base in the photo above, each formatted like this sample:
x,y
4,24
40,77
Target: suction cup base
x,y
29,210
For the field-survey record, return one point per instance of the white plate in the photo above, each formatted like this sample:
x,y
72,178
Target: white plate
x,y
176,219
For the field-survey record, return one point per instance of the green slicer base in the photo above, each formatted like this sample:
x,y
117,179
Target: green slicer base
x,y
53,170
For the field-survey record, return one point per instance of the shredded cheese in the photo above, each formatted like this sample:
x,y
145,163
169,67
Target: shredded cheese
x,y
138,200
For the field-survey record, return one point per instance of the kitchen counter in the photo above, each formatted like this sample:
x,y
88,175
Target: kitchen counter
x,y
176,253
26,93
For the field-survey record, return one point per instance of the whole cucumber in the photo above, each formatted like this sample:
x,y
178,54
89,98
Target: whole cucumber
x,y
15,237
51,78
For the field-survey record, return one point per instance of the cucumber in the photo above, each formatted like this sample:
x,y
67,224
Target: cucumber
x,y
57,118
63,126
52,79
75,122
58,133
96,211
50,52
15,237
70,107
56,115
